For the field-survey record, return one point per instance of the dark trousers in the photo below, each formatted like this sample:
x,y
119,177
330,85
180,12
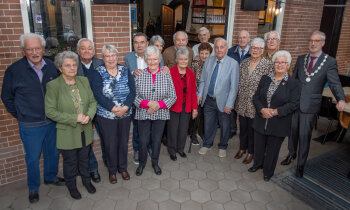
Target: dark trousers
x,y
177,131
268,160
212,115
197,124
150,130
246,134
135,132
293,136
115,134
233,116
302,126
74,159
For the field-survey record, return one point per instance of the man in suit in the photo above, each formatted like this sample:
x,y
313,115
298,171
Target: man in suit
x,y
203,36
87,63
217,92
239,53
313,70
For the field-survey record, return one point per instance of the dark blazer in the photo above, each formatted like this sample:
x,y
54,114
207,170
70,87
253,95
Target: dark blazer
x,y
311,92
95,63
131,61
191,91
234,53
285,100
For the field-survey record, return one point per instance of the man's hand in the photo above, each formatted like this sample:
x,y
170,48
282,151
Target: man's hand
x,y
199,100
194,113
341,105
137,72
227,110
165,70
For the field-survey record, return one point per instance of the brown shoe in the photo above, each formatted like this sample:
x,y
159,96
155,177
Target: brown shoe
x,y
112,178
240,153
125,175
248,159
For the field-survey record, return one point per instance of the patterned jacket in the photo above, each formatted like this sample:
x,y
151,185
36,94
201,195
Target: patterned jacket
x,y
162,90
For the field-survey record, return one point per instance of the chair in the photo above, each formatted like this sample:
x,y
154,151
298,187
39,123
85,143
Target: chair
x,y
329,111
344,119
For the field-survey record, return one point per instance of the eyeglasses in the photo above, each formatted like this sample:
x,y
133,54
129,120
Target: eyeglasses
x,y
37,49
315,41
256,48
272,39
280,63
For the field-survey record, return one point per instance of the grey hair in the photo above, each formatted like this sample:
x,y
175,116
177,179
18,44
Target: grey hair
x,y
178,32
32,36
152,50
323,35
85,39
110,48
258,40
203,29
182,51
244,31
282,53
272,32
156,38
222,39
60,57
140,34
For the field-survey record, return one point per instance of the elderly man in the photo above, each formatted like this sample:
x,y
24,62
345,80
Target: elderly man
x,y
313,70
23,91
180,39
88,62
203,36
217,92
272,41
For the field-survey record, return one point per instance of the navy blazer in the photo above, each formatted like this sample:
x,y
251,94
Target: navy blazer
x,y
131,61
285,100
233,52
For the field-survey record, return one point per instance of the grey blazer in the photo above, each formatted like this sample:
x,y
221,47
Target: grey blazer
x,y
226,86
131,61
311,92
95,63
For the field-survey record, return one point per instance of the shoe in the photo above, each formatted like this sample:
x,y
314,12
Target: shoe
x,y
90,188
75,193
58,182
125,175
232,134
95,176
266,178
157,169
240,153
203,150
139,170
194,141
222,153
248,159
113,178
136,157
173,157
33,196
299,172
182,154
288,160
254,168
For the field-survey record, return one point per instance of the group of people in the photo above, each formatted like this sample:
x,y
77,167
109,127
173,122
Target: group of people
x,y
165,95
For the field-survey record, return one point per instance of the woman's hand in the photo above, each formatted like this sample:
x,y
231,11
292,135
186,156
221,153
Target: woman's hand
x,y
120,111
86,120
150,111
266,113
80,118
153,105
194,113
165,70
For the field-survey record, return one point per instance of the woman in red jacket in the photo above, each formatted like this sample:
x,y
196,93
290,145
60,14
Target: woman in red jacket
x,y
184,81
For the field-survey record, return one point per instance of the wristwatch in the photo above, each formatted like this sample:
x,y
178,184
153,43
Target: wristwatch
x,y
273,113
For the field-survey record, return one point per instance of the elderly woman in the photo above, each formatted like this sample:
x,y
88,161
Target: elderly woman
x,y
276,98
205,51
70,102
114,89
157,41
186,103
251,71
272,40
155,94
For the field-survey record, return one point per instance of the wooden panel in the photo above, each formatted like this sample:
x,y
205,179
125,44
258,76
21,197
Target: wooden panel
x,y
167,25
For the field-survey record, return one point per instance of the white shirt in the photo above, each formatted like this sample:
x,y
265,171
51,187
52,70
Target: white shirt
x,y
240,50
195,49
141,63
87,65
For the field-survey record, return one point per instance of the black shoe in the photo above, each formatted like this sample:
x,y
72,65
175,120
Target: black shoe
x,y
194,141
95,176
75,193
232,134
173,157
58,182
139,170
157,169
266,178
33,196
182,154
90,188
299,172
288,160
254,168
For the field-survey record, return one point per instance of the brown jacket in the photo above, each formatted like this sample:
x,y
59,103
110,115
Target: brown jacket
x,y
169,56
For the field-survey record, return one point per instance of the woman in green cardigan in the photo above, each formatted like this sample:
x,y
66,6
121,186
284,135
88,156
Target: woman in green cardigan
x,y
69,102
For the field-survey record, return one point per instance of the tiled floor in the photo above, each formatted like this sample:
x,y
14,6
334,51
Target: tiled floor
x,y
197,182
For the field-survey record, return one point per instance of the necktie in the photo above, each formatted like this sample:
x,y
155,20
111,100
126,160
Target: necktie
x,y
213,80
309,68
242,56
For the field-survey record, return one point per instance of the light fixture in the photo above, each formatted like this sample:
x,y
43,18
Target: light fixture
x,y
278,8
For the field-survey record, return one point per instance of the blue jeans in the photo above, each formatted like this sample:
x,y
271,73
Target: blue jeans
x,y
93,165
135,132
212,115
35,140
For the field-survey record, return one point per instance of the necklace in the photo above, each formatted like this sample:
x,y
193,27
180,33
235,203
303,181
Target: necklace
x,y
308,75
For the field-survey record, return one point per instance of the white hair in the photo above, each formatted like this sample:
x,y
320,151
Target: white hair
x,y
244,31
182,51
110,48
60,57
272,32
258,40
203,29
178,32
323,35
222,39
85,39
282,53
152,50
156,38
32,36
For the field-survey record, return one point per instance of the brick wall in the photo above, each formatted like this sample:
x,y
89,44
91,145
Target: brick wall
x,y
343,53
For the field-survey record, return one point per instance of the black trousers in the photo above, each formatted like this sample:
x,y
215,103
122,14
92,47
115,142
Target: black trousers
x,y
197,124
74,159
233,127
294,135
268,160
177,131
115,134
150,130
246,134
